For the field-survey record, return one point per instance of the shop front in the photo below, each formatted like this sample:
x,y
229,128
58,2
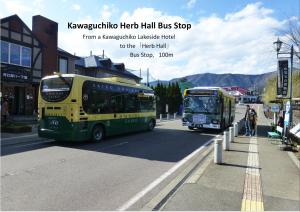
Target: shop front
x,y
18,89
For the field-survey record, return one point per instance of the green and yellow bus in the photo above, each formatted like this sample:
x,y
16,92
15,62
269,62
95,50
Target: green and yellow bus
x,y
208,107
77,108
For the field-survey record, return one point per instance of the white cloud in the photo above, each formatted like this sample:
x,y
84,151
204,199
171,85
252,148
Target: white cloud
x,y
76,7
21,8
15,7
107,12
191,4
240,42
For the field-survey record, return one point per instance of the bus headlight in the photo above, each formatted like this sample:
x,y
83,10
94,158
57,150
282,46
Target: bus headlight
x,y
214,121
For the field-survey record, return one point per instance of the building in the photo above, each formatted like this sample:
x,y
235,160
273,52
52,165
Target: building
x,y
96,66
21,65
27,56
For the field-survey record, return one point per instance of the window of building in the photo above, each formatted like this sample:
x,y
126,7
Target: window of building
x,y
15,54
26,56
63,65
4,52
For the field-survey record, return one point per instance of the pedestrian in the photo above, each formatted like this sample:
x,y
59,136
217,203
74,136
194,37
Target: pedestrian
x,y
247,121
253,120
4,110
280,121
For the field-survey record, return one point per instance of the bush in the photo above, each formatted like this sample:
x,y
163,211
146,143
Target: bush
x,y
11,127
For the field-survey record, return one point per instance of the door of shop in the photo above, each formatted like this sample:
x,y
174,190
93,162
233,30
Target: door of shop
x,y
19,100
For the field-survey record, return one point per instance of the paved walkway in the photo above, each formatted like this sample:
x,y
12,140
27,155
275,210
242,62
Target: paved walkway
x,y
255,176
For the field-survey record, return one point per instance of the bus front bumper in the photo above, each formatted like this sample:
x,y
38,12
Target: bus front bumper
x,y
201,126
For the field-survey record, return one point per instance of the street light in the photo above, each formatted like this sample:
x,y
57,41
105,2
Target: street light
x,y
278,44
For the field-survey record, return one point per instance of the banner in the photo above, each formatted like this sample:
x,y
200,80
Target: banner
x,y
282,78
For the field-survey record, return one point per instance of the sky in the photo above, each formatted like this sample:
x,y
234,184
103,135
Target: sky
x,y
227,36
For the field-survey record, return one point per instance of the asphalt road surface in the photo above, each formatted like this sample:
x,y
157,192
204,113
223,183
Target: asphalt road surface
x,y
38,174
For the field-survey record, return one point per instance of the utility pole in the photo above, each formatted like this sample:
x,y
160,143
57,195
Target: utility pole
x,y
291,88
140,73
147,76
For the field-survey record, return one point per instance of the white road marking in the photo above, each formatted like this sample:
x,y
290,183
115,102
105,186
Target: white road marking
x,y
120,144
142,193
30,144
23,136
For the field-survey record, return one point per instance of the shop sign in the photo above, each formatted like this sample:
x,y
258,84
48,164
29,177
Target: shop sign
x,y
15,74
282,78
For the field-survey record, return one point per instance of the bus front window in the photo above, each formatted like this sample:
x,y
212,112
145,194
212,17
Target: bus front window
x,y
202,104
56,89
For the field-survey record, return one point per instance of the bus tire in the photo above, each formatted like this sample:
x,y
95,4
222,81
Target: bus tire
x,y
191,128
98,133
151,125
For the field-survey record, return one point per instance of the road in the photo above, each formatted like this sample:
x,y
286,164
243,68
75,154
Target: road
x,y
39,174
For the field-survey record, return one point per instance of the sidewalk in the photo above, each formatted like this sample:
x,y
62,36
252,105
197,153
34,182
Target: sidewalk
x,y
255,175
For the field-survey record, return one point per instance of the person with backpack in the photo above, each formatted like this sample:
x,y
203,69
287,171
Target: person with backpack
x,y
253,120
4,110
247,121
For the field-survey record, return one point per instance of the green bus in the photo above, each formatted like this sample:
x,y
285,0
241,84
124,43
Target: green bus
x,y
208,108
77,108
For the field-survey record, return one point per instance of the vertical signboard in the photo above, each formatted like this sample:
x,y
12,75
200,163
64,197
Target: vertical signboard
x,y
282,78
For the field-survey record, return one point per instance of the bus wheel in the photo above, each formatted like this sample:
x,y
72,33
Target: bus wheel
x,y
151,125
191,128
98,133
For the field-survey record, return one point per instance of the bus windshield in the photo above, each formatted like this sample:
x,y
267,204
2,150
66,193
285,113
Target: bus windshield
x,y
202,104
56,89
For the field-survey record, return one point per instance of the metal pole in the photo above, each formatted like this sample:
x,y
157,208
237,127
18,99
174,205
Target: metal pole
x,y
291,88
235,129
218,151
160,117
225,141
147,76
231,134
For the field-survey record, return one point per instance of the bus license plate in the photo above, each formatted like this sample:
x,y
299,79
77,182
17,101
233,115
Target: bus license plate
x,y
199,119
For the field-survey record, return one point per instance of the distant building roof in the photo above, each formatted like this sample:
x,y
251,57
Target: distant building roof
x,y
241,90
105,64
64,52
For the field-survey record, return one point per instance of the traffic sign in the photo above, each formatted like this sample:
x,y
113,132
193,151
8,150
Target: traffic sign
x,y
275,108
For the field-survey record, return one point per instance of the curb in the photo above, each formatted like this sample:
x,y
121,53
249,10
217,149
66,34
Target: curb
x,y
294,159
160,200
144,199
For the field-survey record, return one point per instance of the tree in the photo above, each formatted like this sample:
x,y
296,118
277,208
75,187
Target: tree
x,y
292,35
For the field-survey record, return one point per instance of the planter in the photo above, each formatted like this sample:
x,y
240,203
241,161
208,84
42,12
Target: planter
x,y
15,128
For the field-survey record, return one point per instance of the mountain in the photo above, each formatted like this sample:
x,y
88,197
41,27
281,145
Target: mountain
x,y
208,79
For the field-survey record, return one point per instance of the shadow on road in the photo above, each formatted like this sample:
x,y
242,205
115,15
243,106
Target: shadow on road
x,y
170,145
239,166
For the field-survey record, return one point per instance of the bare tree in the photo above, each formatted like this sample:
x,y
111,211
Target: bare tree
x,y
293,34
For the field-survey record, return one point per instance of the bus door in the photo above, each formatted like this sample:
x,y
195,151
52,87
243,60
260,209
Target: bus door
x,y
222,120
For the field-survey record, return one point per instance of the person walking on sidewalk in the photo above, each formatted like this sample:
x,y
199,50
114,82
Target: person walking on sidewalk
x,y
247,121
253,120
4,110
